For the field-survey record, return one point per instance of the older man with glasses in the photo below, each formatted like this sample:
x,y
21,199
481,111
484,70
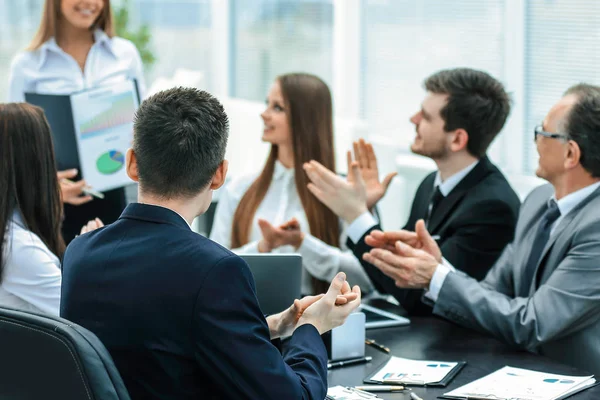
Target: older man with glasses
x,y
543,293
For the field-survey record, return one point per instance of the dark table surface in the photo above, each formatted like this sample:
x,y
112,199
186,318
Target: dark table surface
x,y
431,338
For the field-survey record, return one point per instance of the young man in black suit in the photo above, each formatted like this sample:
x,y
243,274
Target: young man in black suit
x,y
467,204
178,312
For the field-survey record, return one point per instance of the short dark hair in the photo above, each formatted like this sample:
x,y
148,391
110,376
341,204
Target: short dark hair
x,y
477,103
582,125
180,138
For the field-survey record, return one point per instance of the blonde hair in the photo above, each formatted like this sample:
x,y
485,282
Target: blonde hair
x,y
51,17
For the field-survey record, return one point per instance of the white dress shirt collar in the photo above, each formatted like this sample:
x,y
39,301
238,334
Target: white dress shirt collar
x,y
451,182
281,171
570,201
100,37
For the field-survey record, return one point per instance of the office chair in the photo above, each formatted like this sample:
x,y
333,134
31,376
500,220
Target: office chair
x,y
45,357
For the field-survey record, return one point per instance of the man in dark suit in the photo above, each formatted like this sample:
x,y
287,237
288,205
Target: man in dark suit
x,y
467,203
178,312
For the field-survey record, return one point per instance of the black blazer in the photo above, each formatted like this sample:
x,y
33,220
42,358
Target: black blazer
x,y
474,222
179,315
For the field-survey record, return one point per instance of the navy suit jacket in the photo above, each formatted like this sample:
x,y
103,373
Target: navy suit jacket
x,y
179,314
474,223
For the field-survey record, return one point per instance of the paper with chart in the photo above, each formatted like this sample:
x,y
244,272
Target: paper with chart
x,y
522,384
404,370
103,119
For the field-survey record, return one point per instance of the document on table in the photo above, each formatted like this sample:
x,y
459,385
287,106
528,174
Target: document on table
x,y
522,384
416,372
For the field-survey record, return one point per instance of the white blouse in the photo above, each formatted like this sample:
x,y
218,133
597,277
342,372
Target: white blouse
x,y
31,278
49,70
281,203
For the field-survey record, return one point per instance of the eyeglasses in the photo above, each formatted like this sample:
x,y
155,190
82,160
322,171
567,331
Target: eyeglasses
x,y
539,130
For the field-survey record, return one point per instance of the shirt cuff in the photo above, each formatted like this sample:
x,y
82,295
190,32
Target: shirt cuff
x,y
360,226
438,279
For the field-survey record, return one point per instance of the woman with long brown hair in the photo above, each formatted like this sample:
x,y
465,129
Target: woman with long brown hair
x,y
275,212
30,212
75,48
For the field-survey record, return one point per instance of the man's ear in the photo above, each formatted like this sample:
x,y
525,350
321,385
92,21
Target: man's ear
x,y
131,165
573,155
459,140
219,177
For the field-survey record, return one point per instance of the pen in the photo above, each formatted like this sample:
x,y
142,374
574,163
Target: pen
x,y
414,396
378,346
380,388
362,393
87,191
345,363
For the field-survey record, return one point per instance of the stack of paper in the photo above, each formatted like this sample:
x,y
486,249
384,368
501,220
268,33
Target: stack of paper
x,y
415,372
522,384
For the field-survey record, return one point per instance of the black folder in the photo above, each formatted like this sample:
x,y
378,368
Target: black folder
x,y
443,383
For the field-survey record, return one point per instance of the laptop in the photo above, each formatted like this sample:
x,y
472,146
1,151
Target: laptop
x,y
278,279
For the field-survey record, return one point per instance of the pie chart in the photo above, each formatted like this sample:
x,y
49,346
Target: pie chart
x,y
110,162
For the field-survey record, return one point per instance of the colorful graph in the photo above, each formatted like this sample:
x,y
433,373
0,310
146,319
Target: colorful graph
x,y
110,162
120,112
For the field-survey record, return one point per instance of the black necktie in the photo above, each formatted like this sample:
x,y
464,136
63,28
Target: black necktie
x,y
541,238
436,197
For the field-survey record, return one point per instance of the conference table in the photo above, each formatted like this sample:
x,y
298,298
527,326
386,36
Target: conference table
x,y
432,338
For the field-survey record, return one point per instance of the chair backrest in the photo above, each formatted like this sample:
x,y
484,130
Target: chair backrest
x,y
52,358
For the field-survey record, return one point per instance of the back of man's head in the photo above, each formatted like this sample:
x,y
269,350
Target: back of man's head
x,y
582,125
477,103
180,138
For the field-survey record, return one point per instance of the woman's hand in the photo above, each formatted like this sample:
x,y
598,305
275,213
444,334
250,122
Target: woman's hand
x,y
288,233
70,192
92,225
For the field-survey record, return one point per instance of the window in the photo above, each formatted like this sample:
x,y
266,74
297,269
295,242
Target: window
x,y
405,41
274,37
18,23
562,49
181,37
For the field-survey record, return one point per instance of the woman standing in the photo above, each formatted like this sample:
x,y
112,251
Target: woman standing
x,y
75,49
274,211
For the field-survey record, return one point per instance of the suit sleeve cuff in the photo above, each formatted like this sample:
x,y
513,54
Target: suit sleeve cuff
x,y
437,281
360,225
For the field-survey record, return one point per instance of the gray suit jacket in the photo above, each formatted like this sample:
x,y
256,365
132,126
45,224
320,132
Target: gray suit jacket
x,y
561,317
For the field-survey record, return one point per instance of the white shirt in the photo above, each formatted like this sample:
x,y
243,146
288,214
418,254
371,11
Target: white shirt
x,y
32,278
565,205
49,70
281,203
366,221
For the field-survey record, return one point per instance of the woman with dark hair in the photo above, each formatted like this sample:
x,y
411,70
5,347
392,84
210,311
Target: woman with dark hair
x,y
275,212
30,212
74,49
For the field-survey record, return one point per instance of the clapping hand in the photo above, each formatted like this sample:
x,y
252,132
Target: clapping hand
x,y
289,233
419,239
367,163
91,225
347,198
284,323
408,266
326,313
